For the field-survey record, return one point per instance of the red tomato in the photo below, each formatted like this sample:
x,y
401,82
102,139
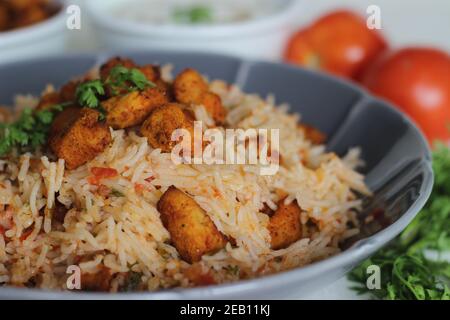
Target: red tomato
x,y
101,173
418,81
339,43
104,173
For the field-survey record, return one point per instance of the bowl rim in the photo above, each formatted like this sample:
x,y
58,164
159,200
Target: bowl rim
x,y
354,254
36,31
104,19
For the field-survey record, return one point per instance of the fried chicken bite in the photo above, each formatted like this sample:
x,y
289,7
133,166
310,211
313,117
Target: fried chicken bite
x,y
77,136
48,100
163,121
284,225
190,88
192,232
213,105
5,17
133,108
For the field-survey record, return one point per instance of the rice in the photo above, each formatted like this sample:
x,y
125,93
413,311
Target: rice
x,y
123,232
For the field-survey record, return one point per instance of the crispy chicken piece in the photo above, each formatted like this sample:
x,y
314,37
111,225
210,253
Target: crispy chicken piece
x,y
68,91
192,232
5,17
133,108
190,88
77,136
5,114
151,72
21,13
19,5
313,134
48,100
30,16
167,88
213,105
284,225
99,282
163,121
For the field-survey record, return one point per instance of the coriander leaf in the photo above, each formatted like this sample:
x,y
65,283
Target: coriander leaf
x,y
29,131
125,79
88,93
45,116
406,273
140,80
117,193
193,15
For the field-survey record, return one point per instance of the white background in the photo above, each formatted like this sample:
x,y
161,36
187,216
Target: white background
x,y
404,23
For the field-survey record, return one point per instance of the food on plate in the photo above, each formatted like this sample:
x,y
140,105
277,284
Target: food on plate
x,y
284,225
192,232
190,88
339,43
21,13
77,136
133,108
163,121
418,81
88,180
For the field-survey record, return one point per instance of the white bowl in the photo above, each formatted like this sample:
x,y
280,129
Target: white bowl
x,y
262,38
43,38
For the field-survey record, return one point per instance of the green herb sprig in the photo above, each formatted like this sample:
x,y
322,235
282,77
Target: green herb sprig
x,y
88,95
29,131
126,79
193,15
406,272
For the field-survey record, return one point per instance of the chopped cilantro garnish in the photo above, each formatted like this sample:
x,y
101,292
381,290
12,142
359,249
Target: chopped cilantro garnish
x,y
29,131
121,78
406,272
193,15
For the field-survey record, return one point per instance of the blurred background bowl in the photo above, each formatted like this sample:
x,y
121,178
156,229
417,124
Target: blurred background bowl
x,y
263,37
40,39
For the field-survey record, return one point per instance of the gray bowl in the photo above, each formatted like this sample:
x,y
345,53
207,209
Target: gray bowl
x,y
398,161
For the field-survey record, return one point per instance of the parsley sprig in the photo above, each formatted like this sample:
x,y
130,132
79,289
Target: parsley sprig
x,y
88,95
406,271
193,15
29,131
126,79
